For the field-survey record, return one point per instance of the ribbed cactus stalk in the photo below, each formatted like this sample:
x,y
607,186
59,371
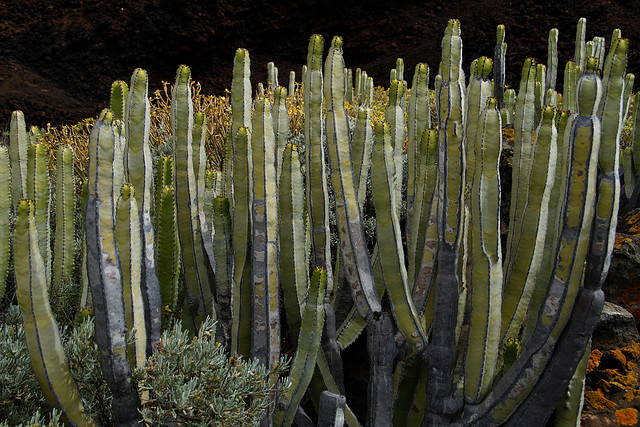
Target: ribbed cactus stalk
x,y
104,271
167,248
440,355
223,250
552,60
292,83
5,211
317,194
119,92
199,299
499,59
38,191
18,145
280,125
139,173
394,115
64,253
48,359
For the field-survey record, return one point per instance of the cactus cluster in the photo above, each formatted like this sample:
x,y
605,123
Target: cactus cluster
x,y
464,326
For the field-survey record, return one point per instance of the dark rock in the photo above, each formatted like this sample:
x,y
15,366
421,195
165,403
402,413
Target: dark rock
x,y
617,327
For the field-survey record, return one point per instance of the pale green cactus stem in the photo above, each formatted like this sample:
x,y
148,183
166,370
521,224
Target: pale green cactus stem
x,y
199,298
241,103
223,250
478,91
546,377
119,92
349,83
139,173
280,125
418,120
272,77
265,330
5,210
393,75
636,132
406,380
440,355
569,408
294,262
422,246
317,194
241,327
629,79
357,85
65,248
524,125
128,242
486,257
308,347
509,107
552,61
541,71
629,175
199,155
46,352
85,296
167,248
104,271
520,276
394,115
362,146
18,145
571,75
391,259
580,54
499,59
555,211
292,84
597,49
38,191
353,244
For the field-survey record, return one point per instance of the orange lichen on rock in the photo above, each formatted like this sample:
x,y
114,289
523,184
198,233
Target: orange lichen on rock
x,y
627,417
632,351
597,400
594,360
634,222
620,239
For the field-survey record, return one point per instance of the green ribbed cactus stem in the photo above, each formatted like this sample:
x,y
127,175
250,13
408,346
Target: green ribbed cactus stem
x,y
349,83
223,250
46,352
391,254
5,210
524,126
294,262
629,175
508,111
541,71
105,274
241,327
210,193
635,132
167,249
64,253
241,108
292,84
85,295
597,49
163,178
304,361
394,115
486,256
440,355
362,147
139,173
265,330
552,60
18,145
571,75
38,191
280,125
478,91
521,272
128,242
499,71
353,244
316,177
272,77
119,92
580,54
199,155
422,244
199,298
629,79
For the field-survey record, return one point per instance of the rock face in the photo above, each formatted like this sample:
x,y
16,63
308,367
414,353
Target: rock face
x,y
617,328
60,58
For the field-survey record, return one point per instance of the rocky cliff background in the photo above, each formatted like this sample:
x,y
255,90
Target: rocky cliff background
x,y
59,58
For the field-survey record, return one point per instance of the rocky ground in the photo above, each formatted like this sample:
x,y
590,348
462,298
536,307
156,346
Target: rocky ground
x,y
58,60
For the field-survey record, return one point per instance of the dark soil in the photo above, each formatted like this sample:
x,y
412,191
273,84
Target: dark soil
x,y
59,58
